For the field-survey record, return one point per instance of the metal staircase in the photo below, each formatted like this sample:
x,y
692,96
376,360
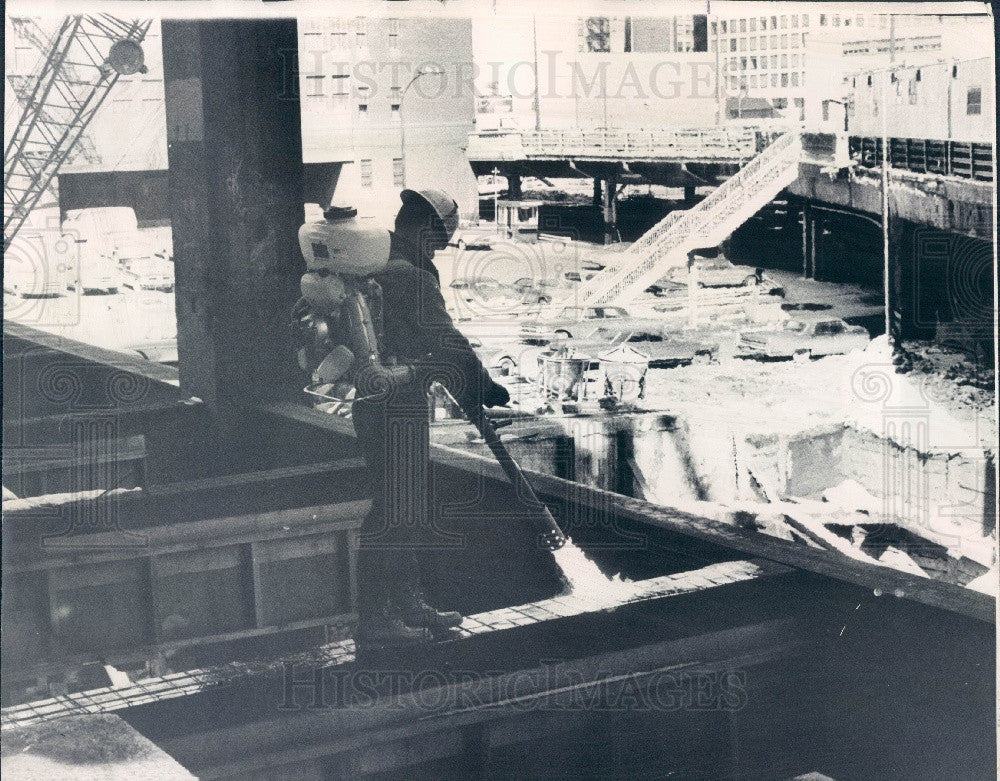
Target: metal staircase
x,y
667,243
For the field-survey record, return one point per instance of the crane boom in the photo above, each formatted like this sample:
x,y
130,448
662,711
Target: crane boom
x,y
84,60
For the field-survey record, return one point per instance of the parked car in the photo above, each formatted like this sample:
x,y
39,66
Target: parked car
x,y
95,272
579,276
802,339
475,238
664,350
714,272
471,289
156,351
582,322
147,273
531,291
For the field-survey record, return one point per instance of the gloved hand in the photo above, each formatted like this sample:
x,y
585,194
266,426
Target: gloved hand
x,y
495,396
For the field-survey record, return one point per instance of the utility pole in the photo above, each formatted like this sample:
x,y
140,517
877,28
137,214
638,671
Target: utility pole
x,y
496,201
886,261
534,53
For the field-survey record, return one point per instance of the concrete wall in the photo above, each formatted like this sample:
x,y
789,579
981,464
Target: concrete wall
x,y
951,204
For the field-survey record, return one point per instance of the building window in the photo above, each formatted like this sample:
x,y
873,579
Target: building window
x,y
338,39
314,86
822,20
743,25
774,41
732,44
784,79
795,20
753,81
361,32
795,42
363,109
394,112
393,34
774,60
784,22
805,20
974,101
774,22
784,41
784,60
598,34
340,84
397,171
795,79
724,26
753,25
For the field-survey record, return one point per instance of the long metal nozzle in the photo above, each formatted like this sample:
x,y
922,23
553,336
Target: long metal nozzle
x,y
550,537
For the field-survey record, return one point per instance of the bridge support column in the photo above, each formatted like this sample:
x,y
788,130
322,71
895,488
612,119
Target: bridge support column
x,y
610,203
808,241
514,187
597,192
236,194
688,193
900,242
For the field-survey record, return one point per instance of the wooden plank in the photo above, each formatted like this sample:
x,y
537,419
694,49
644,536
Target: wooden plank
x,y
104,547
26,507
245,479
940,594
157,372
330,731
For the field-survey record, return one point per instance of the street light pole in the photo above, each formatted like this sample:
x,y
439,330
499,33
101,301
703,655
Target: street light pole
x,y
886,263
402,121
496,202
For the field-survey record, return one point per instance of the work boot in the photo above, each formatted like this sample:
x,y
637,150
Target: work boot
x,y
389,629
416,612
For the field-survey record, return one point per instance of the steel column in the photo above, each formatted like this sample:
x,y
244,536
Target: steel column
x,y
236,190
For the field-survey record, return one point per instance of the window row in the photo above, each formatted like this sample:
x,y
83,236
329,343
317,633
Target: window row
x,y
754,42
368,176
794,79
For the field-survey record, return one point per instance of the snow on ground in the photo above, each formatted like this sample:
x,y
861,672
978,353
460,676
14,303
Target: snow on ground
x,y
862,389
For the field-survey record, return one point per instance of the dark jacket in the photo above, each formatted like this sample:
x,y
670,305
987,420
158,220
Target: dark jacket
x,y
418,329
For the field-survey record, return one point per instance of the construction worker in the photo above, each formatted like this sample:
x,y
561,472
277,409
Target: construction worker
x,y
393,429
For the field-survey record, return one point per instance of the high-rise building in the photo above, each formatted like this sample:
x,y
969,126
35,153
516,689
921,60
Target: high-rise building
x,y
388,102
615,71
357,111
791,61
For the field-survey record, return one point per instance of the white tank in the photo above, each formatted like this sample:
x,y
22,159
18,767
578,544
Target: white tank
x,y
344,247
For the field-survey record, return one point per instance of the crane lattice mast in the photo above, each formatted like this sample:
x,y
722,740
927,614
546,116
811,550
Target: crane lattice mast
x,y
83,62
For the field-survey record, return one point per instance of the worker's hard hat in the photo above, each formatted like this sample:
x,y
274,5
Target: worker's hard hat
x,y
442,204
